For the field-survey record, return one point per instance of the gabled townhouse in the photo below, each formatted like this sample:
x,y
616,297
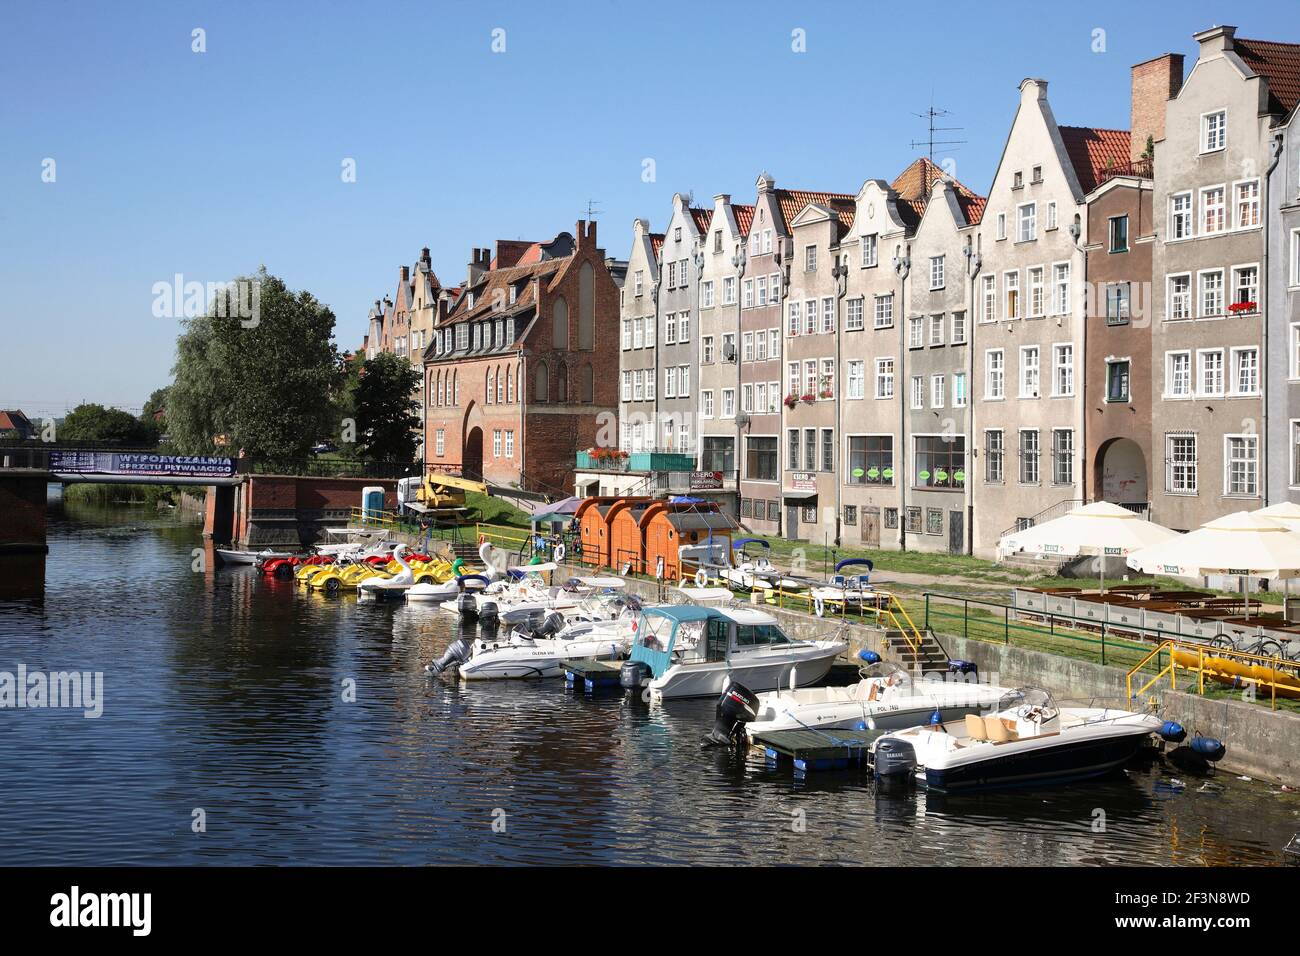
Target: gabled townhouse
x,y
1280,62
638,325
721,273
766,505
1029,330
1210,334
935,361
522,372
676,350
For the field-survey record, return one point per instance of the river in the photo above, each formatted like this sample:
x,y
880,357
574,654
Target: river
x,y
247,722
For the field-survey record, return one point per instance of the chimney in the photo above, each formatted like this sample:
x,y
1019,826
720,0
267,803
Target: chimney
x,y
1154,83
406,273
482,259
1215,41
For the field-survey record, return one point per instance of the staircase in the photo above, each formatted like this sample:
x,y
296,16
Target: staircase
x,y
918,649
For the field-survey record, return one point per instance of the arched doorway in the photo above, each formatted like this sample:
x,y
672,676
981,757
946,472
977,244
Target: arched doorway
x,y
1120,475
472,459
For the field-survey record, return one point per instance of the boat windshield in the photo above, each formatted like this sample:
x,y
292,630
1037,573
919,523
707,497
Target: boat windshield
x,y
1028,701
890,673
754,635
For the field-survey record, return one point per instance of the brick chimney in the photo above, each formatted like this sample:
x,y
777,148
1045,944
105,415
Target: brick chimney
x,y
585,233
480,263
406,273
1154,83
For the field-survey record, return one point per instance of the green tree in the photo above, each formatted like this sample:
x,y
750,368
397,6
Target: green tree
x,y
264,385
386,412
91,422
155,409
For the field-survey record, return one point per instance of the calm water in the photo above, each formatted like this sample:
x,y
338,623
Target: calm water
x,y
224,692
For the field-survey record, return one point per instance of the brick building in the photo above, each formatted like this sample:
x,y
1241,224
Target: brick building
x,y
524,363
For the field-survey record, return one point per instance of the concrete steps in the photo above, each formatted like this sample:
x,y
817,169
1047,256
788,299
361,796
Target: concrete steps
x,y
931,656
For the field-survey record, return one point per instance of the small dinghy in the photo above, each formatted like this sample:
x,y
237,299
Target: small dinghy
x,y
851,591
234,556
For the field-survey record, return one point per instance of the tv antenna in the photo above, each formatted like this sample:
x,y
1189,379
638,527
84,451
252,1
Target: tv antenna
x,y
593,209
930,115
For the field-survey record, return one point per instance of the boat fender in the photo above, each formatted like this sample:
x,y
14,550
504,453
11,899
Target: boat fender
x,y
819,606
1211,748
869,657
1173,731
962,667
701,579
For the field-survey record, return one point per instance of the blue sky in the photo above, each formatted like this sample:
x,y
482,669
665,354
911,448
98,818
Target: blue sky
x,y
209,165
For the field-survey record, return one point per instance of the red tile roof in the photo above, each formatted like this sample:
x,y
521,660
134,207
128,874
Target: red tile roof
x,y
913,188
656,244
744,218
701,217
1093,151
791,202
14,420
1279,63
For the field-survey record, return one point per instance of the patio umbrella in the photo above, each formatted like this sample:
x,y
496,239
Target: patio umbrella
x,y
1101,528
1242,544
1287,514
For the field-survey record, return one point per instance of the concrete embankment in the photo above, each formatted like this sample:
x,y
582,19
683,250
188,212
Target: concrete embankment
x,y
1261,742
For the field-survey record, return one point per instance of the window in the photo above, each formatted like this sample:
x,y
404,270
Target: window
x,y
936,330
959,328
1214,127
793,326
994,455
1036,176
809,316
729,347
638,282
828,449
1117,303
856,384
1295,257
792,449
915,332
440,442
1011,295
1178,374
794,379
728,403
828,315
810,449
496,443
627,334
853,318
762,290
670,382
683,327
851,515
1119,234
1295,452
760,397
747,346
1117,380
1212,293
767,240
1245,371
1180,297
936,272
891,518
1241,464
1180,464
994,373
773,343
1245,289
912,518
918,392
1029,371
1051,215
1036,291
716,454
1294,366
1247,203
638,385
1180,216
706,350
1063,369
959,390
706,294
1061,288
938,391
747,398
1017,179
810,258
638,333
884,378
729,290
810,377
1027,222
670,329
1213,211
1062,456
884,311
989,299
760,458
870,255
934,521
748,302
940,461
1002,225
1029,453
683,381
706,403
1211,372
760,346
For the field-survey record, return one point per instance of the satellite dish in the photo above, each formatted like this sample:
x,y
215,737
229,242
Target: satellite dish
x,y
742,419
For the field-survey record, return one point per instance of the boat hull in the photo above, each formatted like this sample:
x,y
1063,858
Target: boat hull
x,y
709,679
1062,763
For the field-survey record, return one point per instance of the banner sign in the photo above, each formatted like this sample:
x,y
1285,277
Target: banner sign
x,y
706,481
803,481
138,463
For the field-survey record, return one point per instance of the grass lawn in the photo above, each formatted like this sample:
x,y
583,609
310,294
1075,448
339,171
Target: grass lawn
x,y
496,510
818,556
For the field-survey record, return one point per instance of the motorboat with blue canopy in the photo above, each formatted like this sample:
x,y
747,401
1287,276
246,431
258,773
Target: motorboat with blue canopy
x,y
684,650
849,590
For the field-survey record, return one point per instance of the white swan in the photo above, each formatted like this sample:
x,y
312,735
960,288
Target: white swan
x,y
448,590
400,581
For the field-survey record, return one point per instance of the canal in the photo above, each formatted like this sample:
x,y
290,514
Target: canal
x,y
245,722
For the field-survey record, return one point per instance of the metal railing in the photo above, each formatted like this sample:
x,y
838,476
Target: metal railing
x,y
1047,514
1220,664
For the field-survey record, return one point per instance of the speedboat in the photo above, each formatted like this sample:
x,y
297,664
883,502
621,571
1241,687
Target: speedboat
x,y
1027,740
539,647
236,556
684,650
846,590
527,591
757,573
886,698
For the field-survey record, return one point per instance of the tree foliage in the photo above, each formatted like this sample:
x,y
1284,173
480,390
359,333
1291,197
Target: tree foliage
x,y
263,387
91,422
386,412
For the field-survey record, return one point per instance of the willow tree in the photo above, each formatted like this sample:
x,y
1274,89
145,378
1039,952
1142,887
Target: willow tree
x,y
260,383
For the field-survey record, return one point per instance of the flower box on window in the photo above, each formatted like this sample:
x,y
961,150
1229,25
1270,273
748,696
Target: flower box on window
x,y
809,398
1237,308
791,401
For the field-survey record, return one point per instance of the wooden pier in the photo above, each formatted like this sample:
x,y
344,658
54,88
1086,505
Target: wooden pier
x,y
590,674
830,749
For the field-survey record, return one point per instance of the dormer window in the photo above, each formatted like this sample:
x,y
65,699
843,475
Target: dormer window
x,y
514,294
810,258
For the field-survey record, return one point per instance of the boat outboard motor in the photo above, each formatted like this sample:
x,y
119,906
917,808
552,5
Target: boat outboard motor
x,y
548,626
895,759
634,675
489,617
466,605
457,653
737,706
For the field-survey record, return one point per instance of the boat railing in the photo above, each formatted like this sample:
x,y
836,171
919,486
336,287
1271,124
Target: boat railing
x,y
1237,668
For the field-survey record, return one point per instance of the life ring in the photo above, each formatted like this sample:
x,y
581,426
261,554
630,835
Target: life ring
x,y
819,606
558,554
701,579
481,539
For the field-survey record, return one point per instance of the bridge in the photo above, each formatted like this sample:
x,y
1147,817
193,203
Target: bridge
x,y
248,504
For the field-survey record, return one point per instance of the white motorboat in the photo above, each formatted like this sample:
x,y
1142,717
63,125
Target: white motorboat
x,y
235,556
538,649
757,573
684,650
846,590
528,591
887,697
1030,741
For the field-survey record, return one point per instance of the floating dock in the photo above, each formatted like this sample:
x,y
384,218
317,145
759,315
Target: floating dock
x,y
590,674
810,749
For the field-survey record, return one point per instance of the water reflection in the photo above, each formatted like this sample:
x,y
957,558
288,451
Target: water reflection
x,y
304,729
